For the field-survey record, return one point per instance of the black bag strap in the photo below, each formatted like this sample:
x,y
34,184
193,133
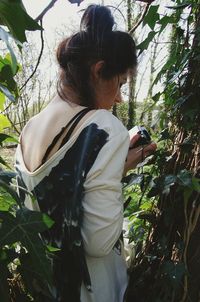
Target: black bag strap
x,y
73,122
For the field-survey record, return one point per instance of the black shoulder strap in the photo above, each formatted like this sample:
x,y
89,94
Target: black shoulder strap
x,y
71,129
74,121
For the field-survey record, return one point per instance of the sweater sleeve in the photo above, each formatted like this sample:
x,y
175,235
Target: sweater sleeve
x,y
103,204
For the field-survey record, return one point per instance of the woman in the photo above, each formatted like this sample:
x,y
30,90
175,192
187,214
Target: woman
x,y
73,155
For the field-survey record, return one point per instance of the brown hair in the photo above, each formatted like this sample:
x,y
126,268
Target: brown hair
x,y
95,41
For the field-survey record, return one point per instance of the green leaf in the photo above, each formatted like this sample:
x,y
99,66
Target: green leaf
x,y
7,79
12,13
184,178
34,279
4,122
162,185
11,191
156,97
47,220
52,248
135,179
7,138
164,134
4,36
24,228
144,45
148,215
3,162
165,21
152,16
7,176
2,100
169,180
7,93
6,202
172,60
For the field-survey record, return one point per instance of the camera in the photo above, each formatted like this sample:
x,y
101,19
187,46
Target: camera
x,y
145,137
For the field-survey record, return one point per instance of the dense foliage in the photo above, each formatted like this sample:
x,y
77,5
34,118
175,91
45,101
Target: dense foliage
x,y
24,263
166,224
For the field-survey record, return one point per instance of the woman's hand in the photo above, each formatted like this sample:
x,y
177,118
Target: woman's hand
x,y
137,155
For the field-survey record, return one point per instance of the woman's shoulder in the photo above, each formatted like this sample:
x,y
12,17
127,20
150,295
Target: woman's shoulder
x,y
110,123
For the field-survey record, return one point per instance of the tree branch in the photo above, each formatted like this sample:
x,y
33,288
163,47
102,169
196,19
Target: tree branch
x,y
12,124
39,58
131,31
49,6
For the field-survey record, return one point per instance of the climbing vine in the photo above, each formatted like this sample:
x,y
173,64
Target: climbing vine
x,y
166,264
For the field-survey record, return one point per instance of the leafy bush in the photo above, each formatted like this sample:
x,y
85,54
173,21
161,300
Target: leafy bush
x,y
24,263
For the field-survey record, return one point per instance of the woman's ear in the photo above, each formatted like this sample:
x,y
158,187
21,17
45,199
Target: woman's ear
x,y
96,70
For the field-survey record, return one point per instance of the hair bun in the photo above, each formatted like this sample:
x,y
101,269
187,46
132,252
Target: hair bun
x,y
97,19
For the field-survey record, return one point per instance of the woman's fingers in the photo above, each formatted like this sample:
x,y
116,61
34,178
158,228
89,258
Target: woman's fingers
x,y
137,155
149,149
134,139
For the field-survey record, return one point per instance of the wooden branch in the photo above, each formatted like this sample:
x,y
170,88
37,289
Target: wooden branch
x,y
131,31
49,6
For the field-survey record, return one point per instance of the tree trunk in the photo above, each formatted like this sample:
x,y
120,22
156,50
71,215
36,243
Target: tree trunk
x,y
132,81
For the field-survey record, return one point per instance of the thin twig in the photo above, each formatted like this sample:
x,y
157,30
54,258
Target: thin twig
x,y
39,58
39,19
116,8
131,31
12,124
7,107
41,15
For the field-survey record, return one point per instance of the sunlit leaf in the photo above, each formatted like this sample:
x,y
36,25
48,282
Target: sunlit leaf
x,y
6,201
52,248
47,220
11,192
4,122
3,162
2,100
7,138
